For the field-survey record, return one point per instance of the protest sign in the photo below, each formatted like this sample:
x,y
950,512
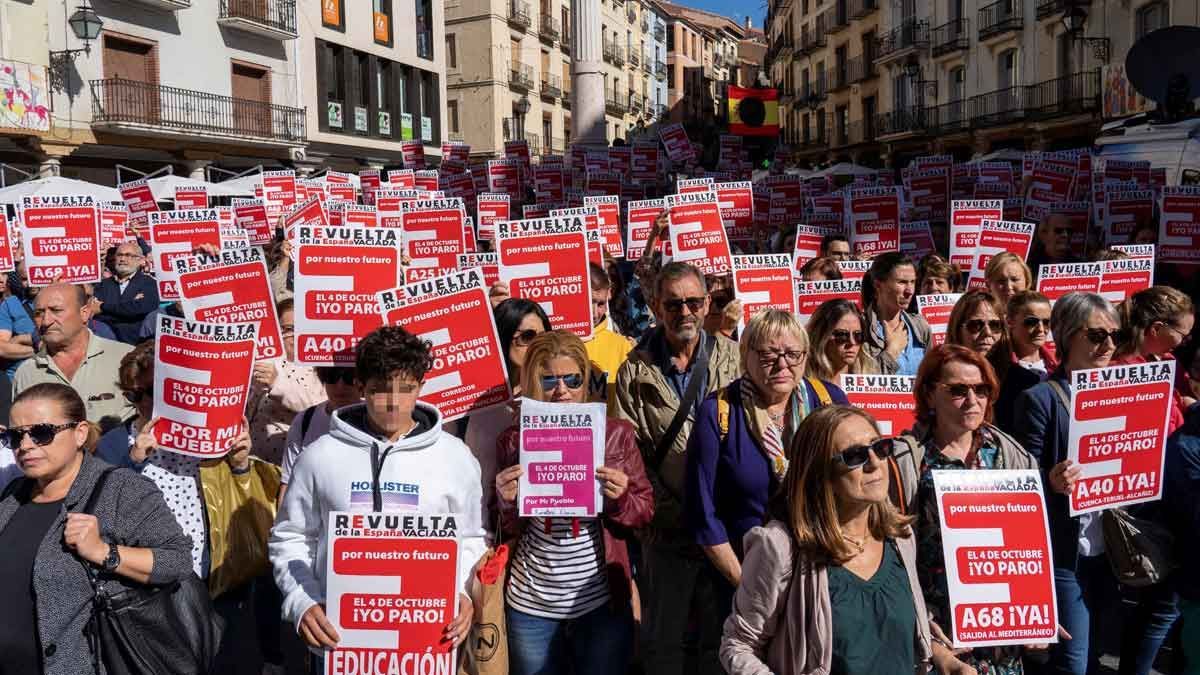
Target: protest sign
x,y
338,271
998,236
139,198
1120,279
999,566
1179,225
691,185
854,269
761,282
251,216
358,214
736,202
935,308
1135,250
549,184
1124,212
644,162
191,197
697,235
391,585
113,218
930,192
545,260
812,294
60,235
888,398
201,383
491,207
1050,183
603,183
433,236
278,192
488,262
1118,430
453,314
232,287
310,212
1078,215
916,239
1057,279
504,175
966,219
413,154
639,221
562,445
401,179
370,181
608,212
6,243
426,180
676,142
808,244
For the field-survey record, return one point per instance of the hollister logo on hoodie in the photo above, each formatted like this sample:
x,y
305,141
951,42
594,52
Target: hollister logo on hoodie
x,y
395,496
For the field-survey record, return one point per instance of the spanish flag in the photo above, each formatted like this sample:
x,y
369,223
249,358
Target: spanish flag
x,y
753,112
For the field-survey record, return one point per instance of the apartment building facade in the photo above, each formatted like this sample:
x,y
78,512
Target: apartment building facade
x,y
703,57
963,77
633,45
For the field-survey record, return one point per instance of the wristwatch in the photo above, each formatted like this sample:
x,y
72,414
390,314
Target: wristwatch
x,y
113,560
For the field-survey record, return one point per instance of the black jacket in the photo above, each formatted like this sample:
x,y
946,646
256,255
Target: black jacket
x,y
124,312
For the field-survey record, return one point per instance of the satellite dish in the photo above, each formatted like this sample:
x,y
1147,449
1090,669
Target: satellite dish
x,y
1164,66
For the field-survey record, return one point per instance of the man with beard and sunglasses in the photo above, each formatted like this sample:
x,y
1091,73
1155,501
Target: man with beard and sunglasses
x,y
124,299
659,389
313,423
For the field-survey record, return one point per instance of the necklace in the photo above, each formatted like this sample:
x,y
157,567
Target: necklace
x,y
859,544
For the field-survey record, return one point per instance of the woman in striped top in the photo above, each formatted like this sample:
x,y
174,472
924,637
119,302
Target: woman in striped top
x,y
569,581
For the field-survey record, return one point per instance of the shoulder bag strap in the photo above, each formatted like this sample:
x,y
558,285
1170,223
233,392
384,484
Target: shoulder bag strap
x,y
306,421
1061,393
821,391
685,404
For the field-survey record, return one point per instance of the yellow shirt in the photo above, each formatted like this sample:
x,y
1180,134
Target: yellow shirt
x,y
607,351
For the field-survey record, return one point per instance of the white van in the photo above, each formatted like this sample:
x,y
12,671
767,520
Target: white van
x,y
1175,146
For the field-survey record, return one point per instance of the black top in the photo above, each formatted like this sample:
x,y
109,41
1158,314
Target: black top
x,y
20,541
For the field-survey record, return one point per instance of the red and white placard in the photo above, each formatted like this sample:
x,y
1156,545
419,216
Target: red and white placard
x,y
888,398
232,287
608,212
762,282
60,237
935,308
639,220
697,234
966,218
812,294
1179,225
545,260
433,236
1057,279
998,236
677,144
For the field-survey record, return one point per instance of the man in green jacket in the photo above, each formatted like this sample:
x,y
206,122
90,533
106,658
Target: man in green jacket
x,y
651,385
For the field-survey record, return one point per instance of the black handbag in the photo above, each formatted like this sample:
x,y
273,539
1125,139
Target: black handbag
x,y
151,630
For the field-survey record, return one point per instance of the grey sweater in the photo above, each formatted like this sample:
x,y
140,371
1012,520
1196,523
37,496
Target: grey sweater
x,y
131,512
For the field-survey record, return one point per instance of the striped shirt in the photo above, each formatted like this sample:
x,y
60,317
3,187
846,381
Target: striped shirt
x,y
558,575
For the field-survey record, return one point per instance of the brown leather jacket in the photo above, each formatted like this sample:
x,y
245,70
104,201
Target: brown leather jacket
x,y
621,517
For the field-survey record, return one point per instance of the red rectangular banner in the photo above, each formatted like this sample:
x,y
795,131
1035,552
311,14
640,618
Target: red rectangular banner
x,y
1057,279
676,142
232,287
1179,225
433,237
761,282
490,208
888,398
545,260
997,236
874,215
736,201
966,217
191,197
489,262
812,294
697,234
639,220
935,308
60,237
608,208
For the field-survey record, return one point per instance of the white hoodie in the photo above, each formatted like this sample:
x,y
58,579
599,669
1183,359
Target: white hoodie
x,y
432,468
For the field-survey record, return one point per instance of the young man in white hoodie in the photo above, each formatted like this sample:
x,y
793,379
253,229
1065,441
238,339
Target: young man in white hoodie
x,y
388,453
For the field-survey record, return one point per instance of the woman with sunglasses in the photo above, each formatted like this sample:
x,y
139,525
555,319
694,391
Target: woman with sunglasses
x,y
955,391
130,537
1024,360
895,338
829,584
836,333
1086,329
518,322
1155,322
736,456
1007,274
568,601
977,322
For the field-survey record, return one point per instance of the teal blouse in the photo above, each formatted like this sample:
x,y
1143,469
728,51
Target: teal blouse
x,y
874,620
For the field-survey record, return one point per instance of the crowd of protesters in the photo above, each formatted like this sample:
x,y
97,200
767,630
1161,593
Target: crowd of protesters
x,y
753,521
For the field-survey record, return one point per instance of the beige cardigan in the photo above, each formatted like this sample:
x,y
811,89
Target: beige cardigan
x,y
782,620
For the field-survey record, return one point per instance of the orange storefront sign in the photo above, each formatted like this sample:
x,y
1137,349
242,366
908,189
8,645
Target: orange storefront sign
x,y
331,12
383,31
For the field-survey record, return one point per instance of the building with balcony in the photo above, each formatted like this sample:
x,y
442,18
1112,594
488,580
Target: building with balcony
x,y
631,49
703,57
189,84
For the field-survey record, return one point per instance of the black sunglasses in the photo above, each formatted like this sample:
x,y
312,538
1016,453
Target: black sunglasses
x,y
41,434
334,375
1032,322
550,382
524,337
842,337
676,306
1097,336
958,391
977,325
858,455
135,396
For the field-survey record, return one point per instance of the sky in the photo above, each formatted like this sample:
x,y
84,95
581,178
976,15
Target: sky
x,y
735,9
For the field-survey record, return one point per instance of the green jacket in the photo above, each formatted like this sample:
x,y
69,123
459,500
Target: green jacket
x,y
647,399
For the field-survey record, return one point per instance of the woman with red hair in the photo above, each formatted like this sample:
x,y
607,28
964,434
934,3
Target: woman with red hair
x,y
955,391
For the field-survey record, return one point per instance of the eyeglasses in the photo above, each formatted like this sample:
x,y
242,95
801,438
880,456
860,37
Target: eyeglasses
x,y
1097,336
572,381
694,305
135,396
40,434
769,357
1032,322
335,375
958,391
858,455
1183,337
524,337
977,325
842,337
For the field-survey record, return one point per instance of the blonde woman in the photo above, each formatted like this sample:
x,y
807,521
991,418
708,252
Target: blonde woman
x,y
829,584
1007,275
736,454
836,330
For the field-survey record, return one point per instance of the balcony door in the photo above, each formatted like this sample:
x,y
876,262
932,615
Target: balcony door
x,y
251,86
131,92
255,10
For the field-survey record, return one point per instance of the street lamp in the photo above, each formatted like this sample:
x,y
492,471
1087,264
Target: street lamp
x,y
86,25
1073,19
522,109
